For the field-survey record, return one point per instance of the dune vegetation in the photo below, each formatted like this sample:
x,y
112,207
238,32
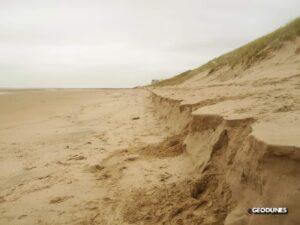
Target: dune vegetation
x,y
245,56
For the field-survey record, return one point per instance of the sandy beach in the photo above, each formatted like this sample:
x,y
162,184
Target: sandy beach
x,y
68,156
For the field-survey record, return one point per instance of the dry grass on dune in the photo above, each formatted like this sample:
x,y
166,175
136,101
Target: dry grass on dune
x,y
245,55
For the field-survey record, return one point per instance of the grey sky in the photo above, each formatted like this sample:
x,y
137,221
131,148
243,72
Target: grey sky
x,y
124,43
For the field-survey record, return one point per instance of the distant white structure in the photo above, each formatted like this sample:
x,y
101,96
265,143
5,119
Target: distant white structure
x,y
154,81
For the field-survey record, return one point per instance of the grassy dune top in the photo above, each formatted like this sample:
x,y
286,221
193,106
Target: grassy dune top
x,y
245,55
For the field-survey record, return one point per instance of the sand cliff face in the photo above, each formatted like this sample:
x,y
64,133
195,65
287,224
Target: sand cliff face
x,y
236,169
242,134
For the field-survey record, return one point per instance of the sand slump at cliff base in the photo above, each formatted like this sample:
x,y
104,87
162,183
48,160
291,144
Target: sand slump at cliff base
x,y
202,196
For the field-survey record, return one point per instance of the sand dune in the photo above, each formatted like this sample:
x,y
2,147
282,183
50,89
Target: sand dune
x,y
243,129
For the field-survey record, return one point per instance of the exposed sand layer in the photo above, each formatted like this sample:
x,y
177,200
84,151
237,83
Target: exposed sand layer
x,y
243,127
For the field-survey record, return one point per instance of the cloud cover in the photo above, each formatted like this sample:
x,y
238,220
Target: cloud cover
x,y
124,43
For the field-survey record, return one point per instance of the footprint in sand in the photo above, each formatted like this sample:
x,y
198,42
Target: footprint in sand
x,y
104,177
95,168
44,177
30,168
77,157
59,199
131,158
2,199
165,176
22,216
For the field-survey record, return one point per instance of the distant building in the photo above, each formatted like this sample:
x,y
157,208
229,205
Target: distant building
x,y
154,81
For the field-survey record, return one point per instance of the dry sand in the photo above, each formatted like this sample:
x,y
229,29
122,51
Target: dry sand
x,y
201,152
70,156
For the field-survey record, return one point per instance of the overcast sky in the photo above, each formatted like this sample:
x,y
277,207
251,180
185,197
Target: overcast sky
x,y
124,43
